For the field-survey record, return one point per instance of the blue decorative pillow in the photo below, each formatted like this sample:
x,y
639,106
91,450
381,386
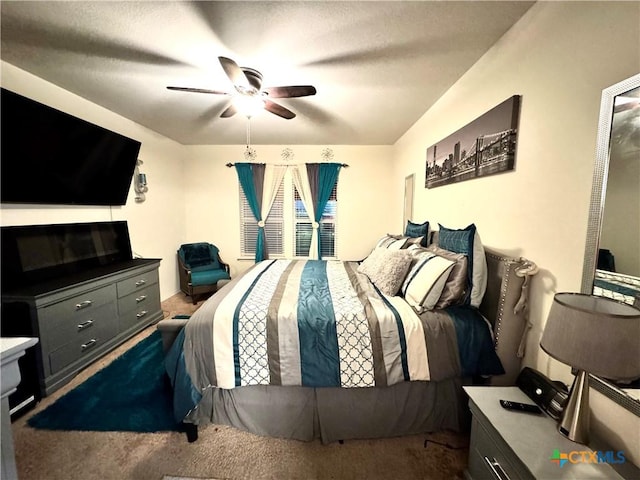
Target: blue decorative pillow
x,y
200,254
467,241
416,229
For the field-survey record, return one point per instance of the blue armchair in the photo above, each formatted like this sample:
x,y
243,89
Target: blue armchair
x,y
200,268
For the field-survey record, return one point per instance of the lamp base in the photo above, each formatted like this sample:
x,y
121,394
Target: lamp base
x,y
574,423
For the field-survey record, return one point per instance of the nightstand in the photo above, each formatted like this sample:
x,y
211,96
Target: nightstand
x,y
513,445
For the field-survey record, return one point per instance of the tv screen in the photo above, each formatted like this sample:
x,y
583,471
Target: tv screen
x,y
51,157
36,253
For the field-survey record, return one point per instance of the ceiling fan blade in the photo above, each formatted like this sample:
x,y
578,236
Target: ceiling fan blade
x,y
198,90
278,110
229,112
291,91
234,72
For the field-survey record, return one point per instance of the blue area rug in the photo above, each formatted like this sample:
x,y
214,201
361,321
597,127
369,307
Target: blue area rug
x,y
130,394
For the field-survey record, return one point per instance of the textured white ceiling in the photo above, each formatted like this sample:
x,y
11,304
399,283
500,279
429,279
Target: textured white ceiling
x,y
377,66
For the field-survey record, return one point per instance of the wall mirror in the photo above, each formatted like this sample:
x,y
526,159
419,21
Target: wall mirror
x,y
612,254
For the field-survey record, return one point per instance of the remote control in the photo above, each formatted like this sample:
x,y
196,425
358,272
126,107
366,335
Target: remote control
x,y
520,407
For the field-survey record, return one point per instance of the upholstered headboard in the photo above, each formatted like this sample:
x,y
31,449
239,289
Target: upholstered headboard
x,y
505,305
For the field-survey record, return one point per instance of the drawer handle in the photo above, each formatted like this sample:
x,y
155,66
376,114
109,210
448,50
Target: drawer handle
x,y
141,298
496,468
85,304
141,314
83,325
89,344
139,283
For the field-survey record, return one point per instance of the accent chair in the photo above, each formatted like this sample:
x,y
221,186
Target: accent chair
x,y
201,269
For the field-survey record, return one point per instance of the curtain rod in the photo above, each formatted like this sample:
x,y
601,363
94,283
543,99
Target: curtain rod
x,y
345,165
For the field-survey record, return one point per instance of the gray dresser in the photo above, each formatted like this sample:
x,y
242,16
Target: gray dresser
x,y
80,318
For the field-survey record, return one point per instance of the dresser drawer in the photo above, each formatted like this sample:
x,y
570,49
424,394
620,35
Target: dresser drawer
x,y
136,283
70,328
82,345
142,310
146,298
489,458
75,309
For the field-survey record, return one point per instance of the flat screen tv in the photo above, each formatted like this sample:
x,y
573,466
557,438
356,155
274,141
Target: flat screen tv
x,y
33,254
51,157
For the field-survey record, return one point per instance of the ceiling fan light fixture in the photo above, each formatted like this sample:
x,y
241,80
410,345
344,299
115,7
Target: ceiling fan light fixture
x,y
249,105
250,98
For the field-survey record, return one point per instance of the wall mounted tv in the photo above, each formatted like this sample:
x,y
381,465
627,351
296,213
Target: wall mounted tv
x,y
51,157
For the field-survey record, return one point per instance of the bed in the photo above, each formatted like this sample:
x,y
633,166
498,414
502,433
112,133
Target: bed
x,y
617,286
270,357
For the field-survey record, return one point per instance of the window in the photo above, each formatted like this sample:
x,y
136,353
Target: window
x,y
273,228
288,227
327,229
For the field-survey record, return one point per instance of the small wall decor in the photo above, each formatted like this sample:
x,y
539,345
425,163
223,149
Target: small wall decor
x,y
140,183
327,155
485,146
287,154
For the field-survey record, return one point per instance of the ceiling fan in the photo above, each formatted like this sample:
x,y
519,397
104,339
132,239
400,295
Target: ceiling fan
x,y
250,94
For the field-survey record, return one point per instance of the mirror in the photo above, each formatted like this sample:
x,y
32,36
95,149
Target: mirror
x,y
612,253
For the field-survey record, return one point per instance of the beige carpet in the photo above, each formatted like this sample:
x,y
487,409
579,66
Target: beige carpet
x,y
168,477
223,453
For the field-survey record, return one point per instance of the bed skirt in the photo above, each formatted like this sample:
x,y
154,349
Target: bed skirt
x,y
332,414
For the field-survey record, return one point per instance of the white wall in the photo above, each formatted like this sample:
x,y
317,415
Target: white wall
x,y
559,57
365,210
156,226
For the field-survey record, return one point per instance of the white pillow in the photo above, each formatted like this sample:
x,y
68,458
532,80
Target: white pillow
x,y
391,242
425,281
480,274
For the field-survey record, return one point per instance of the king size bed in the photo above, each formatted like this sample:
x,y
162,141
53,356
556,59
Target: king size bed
x,y
309,349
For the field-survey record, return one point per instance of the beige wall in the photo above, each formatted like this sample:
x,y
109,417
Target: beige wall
x,y
155,226
365,210
559,57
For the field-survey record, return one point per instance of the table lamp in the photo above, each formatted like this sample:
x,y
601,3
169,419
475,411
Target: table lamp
x,y
592,335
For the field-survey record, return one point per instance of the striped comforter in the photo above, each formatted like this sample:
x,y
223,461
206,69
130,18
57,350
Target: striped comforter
x,y
323,324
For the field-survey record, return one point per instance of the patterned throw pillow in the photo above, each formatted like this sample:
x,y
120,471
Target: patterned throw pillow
x,y
392,242
426,279
386,269
467,241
